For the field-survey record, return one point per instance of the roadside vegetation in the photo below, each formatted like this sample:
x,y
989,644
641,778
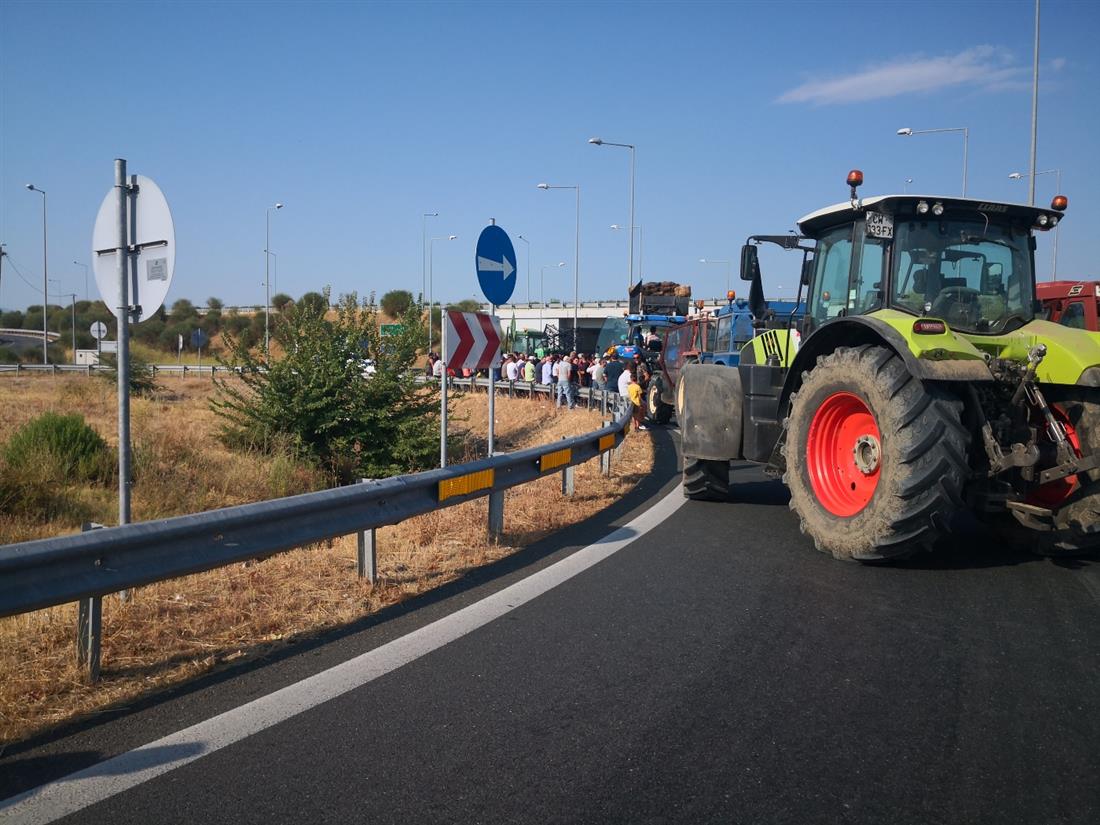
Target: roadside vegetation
x,y
177,630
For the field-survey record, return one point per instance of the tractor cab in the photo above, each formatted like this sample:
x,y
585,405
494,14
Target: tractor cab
x,y
968,263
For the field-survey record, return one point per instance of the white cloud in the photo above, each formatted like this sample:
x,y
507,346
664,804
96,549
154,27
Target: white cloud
x,y
980,68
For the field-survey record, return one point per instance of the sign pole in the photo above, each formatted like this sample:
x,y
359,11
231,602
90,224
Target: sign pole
x,y
123,355
443,391
492,390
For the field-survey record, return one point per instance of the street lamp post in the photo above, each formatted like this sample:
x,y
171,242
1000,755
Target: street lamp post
x,y
729,270
641,249
424,255
431,251
78,263
275,273
267,281
576,261
45,276
600,142
72,295
905,188
542,288
528,266
907,132
1058,185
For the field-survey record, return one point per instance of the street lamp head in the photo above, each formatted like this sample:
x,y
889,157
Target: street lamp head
x,y
452,237
702,260
595,141
1015,176
30,186
615,226
544,186
278,206
906,132
561,264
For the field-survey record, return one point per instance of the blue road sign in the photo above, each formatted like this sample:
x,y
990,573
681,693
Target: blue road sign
x,y
198,339
496,264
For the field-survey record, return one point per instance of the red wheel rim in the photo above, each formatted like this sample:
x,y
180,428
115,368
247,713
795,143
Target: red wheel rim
x,y
1052,494
844,454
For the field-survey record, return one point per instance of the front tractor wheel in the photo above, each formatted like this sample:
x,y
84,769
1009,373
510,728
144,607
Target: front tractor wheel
x,y
876,459
656,409
706,479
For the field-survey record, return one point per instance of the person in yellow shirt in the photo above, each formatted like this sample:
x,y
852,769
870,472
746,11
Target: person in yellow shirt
x,y
634,391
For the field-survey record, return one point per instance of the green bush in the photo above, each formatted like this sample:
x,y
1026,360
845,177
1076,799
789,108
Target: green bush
x,y
142,379
60,449
316,402
396,302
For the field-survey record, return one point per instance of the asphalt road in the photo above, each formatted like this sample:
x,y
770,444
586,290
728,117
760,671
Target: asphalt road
x,y
718,669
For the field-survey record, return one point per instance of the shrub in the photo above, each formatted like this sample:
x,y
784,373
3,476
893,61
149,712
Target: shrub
x,y
396,302
316,400
59,448
142,380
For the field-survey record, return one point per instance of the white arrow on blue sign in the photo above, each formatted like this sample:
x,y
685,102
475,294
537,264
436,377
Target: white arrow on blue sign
x,y
496,264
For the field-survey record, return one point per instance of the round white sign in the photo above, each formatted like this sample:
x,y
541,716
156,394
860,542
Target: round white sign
x,y
152,238
98,330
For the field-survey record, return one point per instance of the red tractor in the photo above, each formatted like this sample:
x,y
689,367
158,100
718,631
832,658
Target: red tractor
x,y
1072,303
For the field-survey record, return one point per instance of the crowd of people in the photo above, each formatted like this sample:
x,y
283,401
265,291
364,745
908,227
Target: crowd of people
x,y
567,375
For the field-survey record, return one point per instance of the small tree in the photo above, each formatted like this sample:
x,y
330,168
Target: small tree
x,y
315,300
279,300
318,396
396,302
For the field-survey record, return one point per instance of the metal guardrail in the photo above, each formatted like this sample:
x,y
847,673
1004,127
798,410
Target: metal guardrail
x,y
86,566
88,369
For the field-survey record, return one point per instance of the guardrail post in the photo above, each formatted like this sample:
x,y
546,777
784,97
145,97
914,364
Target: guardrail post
x,y
567,482
366,559
89,627
605,456
496,515
603,403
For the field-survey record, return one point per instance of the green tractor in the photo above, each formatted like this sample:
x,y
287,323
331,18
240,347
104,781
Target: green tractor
x,y
921,383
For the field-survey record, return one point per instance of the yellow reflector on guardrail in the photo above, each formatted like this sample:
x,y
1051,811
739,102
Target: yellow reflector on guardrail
x,y
558,458
466,484
606,442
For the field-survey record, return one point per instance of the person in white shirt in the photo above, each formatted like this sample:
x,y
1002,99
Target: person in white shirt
x,y
510,369
624,381
562,371
437,368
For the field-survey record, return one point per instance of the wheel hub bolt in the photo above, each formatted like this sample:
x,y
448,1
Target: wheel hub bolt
x,y
866,454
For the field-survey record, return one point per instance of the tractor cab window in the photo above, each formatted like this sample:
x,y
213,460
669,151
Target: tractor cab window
x,y
1074,316
832,262
974,275
722,341
869,275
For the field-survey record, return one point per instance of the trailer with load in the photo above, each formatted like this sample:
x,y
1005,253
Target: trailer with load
x,y
924,385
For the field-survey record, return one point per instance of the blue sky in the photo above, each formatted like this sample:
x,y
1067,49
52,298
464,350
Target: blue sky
x,y
362,116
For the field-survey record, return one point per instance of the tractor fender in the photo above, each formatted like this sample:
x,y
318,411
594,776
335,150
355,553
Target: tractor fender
x,y
709,401
858,330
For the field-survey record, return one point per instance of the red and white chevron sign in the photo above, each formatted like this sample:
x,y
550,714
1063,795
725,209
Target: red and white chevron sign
x,y
473,340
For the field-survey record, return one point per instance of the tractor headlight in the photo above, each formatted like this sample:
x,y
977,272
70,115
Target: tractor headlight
x,y
1090,378
1043,220
922,207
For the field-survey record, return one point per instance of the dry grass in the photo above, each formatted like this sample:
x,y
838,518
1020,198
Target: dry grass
x,y
176,630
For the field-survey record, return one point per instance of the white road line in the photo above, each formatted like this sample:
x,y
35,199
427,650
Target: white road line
x,y
79,790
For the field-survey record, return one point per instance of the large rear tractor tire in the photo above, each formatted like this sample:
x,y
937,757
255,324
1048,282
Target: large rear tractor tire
x,y
706,479
656,409
876,459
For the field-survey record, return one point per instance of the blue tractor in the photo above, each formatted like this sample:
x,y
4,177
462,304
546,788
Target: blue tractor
x,y
717,337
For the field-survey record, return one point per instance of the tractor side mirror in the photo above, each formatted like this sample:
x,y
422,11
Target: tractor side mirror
x,y
750,264
807,271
